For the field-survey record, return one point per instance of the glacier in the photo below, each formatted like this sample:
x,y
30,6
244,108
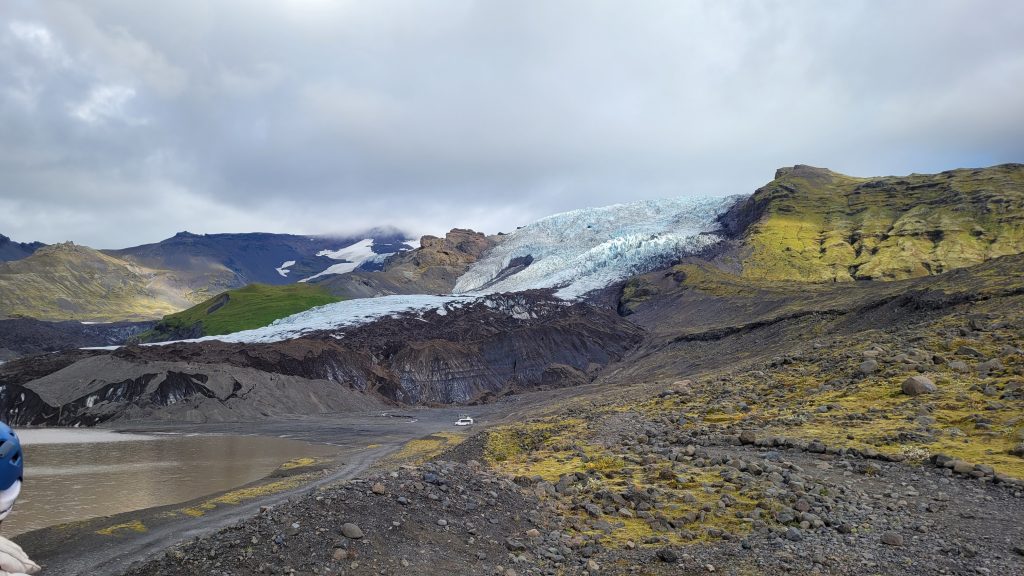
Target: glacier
x,y
339,315
574,252
591,248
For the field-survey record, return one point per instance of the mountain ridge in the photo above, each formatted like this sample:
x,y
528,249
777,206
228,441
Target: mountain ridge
x,y
11,250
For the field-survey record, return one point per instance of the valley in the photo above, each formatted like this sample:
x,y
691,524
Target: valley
x,y
826,376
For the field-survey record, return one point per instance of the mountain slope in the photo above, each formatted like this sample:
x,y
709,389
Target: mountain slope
x,y
816,225
11,250
245,308
69,282
28,336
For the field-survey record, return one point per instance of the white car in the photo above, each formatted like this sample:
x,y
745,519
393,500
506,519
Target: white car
x,y
464,421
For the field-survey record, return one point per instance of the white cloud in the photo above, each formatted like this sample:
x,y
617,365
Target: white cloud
x,y
104,103
40,41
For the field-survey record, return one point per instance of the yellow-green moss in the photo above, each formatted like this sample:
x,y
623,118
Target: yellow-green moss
x,y
822,226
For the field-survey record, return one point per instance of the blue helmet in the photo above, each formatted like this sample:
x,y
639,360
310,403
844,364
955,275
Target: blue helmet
x,y
11,462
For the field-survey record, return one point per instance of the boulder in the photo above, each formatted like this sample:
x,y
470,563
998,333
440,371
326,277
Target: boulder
x,y
350,530
868,366
916,385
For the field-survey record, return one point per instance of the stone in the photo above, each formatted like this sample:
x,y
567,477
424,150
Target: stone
x,y
793,534
892,539
667,555
533,533
969,351
993,365
962,467
593,566
958,366
916,385
350,530
868,366
378,488
748,437
514,545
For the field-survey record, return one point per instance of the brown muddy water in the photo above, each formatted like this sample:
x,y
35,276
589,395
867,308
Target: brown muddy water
x,y
79,474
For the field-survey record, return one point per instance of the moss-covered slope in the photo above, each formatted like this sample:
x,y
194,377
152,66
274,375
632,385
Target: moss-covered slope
x,y
69,282
812,224
250,307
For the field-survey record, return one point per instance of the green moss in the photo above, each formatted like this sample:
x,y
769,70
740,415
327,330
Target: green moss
x,y
822,226
250,307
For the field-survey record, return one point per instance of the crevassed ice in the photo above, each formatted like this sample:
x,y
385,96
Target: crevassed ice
x,y
340,314
587,249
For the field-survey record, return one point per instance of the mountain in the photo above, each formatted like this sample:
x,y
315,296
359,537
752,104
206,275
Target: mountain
x,y
70,282
658,273
222,261
433,268
11,250
245,308
817,225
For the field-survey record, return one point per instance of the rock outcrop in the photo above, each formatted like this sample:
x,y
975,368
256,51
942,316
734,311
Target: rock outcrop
x,y
432,268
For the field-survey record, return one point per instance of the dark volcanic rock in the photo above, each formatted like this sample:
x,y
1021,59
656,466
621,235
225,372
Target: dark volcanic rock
x,y
27,336
500,344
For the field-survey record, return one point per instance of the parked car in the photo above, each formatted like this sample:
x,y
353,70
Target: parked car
x,y
464,421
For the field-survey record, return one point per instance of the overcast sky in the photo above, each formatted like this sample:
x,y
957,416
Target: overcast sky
x,y
122,122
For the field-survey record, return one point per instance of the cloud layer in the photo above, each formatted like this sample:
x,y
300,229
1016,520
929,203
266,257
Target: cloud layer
x,y
126,122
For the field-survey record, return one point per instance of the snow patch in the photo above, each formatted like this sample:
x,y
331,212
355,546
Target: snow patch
x,y
353,256
283,269
591,248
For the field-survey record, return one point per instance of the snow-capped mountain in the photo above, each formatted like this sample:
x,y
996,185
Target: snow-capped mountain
x,y
367,254
591,248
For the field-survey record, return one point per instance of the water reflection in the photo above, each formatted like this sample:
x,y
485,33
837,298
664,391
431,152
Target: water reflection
x,y
79,474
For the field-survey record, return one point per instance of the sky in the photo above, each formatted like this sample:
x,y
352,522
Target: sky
x,y
123,122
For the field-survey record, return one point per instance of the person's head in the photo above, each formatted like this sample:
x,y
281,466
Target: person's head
x,y
11,469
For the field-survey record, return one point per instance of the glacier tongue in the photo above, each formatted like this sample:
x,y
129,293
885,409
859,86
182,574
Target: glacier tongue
x,y
591,248
340,314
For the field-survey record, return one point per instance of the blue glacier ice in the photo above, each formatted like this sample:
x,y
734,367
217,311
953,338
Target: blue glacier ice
x,y
591,248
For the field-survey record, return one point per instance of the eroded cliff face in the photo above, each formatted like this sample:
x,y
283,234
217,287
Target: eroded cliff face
x,y
497,345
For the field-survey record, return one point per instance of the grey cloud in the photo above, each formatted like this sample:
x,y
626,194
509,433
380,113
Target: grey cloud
x,y
126,122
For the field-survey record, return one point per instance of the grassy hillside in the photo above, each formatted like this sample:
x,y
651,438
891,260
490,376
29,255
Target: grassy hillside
x,y
817,225
69,282
250,307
